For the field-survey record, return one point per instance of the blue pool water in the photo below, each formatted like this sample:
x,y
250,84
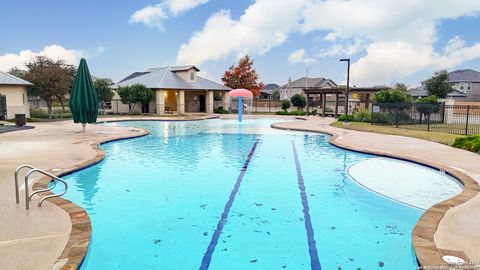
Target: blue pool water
x,y
216,195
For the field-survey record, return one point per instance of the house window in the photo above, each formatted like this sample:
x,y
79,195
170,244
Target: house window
x,y
192,76
461,87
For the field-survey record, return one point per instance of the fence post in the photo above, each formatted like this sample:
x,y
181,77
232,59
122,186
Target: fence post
x,y
443,113
428,120
466,122
396,116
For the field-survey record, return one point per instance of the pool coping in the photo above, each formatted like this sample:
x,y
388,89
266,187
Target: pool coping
x,y
423,234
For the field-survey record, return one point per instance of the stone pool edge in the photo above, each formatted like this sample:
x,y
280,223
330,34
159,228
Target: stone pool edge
x,y
423,234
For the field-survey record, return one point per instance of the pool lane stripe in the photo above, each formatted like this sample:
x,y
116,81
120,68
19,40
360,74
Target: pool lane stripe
x,y
216,235
312,246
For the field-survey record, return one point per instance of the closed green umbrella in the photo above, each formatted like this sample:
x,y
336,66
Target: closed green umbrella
x,y
83,97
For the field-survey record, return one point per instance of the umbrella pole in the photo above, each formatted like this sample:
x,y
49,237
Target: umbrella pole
x,y
83,125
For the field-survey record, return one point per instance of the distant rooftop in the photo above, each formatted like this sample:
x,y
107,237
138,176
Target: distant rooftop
x,y
167,78
464,75
9,79
310,82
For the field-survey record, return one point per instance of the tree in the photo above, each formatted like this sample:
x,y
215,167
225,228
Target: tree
x,y
285,105
438,85
137,93
400,86
52,80
426,106
392,96
127,97
275,95
244,76
143,94
104,91
298,101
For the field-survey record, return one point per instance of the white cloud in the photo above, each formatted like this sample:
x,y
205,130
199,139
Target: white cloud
x,y
397,38
347,48
254,32
179,6
299,56
153,16
57,52
455,53
398,35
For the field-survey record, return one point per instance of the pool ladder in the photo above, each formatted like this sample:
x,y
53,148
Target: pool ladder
x,y
28,198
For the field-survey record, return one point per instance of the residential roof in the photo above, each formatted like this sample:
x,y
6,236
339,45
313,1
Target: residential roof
x,y
310,82
166,78
464,75
421,91
9,79
271,86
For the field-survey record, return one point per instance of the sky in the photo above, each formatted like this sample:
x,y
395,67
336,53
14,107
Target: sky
x,y
387,41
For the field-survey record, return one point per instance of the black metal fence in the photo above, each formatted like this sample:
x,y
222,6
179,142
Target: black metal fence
x,y
455,119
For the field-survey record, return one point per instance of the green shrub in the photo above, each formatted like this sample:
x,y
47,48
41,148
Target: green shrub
x,y
294,112
363,115
392,96
220,110
313,112
298,101
285,105
38,113
470,143
344,117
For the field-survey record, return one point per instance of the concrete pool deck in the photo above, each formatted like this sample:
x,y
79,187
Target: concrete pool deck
x,y
448,228
45,238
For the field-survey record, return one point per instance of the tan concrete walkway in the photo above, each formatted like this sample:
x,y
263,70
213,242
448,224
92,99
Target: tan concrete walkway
x,y
34,239
459,229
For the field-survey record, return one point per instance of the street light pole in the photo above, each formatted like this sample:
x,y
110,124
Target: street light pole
x,y
348,83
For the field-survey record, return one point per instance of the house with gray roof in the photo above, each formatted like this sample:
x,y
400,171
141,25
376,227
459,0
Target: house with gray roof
x,y
178,89
13,96
465,84
297,86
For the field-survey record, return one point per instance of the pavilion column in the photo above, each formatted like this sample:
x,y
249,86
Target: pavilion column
x,y
324,104
336,105
367,101
210,101
180,101
226,101
308,98
160,102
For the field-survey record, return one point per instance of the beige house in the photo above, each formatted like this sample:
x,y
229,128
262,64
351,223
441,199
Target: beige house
x,y
13,96
177,90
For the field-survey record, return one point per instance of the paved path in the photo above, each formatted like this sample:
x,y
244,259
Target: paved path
x,y
459,229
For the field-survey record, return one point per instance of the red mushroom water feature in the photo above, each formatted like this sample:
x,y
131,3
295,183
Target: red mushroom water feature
x,y
240,94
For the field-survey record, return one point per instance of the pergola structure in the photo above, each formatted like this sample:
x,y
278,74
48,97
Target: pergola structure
x,y
362,93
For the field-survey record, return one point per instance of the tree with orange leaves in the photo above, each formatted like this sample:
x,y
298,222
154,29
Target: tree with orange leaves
x,y
244,76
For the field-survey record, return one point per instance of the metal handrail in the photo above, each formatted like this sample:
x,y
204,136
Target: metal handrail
x,y
17,196
54,177
43,190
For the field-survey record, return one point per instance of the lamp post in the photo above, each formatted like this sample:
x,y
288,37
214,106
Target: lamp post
x,y
348,83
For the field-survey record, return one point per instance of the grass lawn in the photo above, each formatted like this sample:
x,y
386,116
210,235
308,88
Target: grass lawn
x,y
439,137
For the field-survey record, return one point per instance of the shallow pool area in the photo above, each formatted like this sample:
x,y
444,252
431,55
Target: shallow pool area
x,y
218,195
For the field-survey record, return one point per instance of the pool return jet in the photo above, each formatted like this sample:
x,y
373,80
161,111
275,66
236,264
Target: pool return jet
x,y
240,94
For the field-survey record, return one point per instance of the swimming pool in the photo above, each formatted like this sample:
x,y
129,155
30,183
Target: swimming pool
x,y
216,195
